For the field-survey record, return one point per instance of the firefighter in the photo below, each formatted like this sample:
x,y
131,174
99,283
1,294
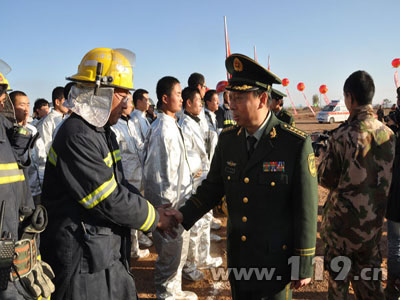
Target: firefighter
x,y
91,206
21,222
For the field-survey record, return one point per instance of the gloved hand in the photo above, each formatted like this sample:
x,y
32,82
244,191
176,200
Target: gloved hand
x,y
28,282
43,274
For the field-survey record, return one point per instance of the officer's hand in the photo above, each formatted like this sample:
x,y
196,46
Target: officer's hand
x,y
176,214
166,223
296,284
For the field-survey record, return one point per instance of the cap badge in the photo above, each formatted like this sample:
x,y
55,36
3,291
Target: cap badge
x,y
237,65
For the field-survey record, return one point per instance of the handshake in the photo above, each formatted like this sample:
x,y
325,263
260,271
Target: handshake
x,y
169,220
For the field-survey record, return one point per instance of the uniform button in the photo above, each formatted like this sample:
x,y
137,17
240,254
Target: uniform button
x,y
272,183
284,247
246,180
245,200
229,177
244,219
244,238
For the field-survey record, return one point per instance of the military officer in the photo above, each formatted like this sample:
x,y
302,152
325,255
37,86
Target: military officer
x,y
277,107
266,169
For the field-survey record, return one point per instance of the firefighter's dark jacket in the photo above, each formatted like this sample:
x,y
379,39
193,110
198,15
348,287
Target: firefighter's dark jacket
x,y
14,190
272,201
91,206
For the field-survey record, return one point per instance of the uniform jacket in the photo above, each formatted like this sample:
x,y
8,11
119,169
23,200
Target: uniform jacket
x,y
285,116
47,126
356,169
38,162
212,137
15,193
167,175
224,117
272,201
91,209
195,147
141,123
131,147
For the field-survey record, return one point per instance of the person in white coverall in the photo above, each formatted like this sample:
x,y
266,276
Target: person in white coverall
x,y
199,245
131,147
168,180
142,125
55,117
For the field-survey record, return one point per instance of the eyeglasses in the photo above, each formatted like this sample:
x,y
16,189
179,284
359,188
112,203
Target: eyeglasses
x,y
122,98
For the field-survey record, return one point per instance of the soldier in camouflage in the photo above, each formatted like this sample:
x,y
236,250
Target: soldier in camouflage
x,y
356,168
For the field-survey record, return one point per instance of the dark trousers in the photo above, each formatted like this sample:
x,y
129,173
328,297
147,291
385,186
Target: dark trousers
x,y
238,294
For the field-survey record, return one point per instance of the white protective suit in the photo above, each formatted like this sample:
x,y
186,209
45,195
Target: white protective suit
x,y
38,162
141,123
167,180
199,245
212,136
131,147
47,127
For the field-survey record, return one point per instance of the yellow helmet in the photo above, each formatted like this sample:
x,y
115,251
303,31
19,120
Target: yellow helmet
x,y
116,68
4,70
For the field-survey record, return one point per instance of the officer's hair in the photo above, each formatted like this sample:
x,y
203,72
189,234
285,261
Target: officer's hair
x,y
189,93
164,87
259,92
208,96
398,91
58,93
138,95
361,87
39,103
196,79
15,94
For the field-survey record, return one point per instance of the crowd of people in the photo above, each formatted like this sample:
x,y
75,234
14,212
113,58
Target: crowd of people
x,y
107,172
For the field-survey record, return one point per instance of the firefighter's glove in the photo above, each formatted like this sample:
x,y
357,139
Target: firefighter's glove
x,y
43,274
28,282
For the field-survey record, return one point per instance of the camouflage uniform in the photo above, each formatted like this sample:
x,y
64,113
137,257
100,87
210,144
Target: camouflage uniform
x,y
356,168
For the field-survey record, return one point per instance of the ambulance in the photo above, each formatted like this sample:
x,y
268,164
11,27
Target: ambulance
x,y
336,111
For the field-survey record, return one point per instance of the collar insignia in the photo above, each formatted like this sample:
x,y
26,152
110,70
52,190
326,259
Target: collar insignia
x,y
231,163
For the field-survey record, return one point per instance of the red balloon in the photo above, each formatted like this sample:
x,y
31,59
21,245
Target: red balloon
x,y
221,86
301,86
396,62
285,82
323,89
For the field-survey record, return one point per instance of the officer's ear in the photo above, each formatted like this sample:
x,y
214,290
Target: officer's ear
x,y
263,100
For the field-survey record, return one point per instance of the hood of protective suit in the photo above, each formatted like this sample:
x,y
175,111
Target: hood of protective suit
x,y
8,110
94,109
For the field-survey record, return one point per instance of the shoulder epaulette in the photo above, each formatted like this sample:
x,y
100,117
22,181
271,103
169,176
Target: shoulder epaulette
x,y
230,128
295,131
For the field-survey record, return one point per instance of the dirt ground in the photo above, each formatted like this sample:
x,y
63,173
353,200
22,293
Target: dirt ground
x,y
208,289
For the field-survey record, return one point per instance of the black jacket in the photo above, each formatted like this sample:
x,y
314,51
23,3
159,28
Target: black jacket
x,y
91,209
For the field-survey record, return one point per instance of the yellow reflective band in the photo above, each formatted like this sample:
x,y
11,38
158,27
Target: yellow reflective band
x,y
10,173
52,156
101,193
10,166
108,160
11,179
229,122
151,215
117,155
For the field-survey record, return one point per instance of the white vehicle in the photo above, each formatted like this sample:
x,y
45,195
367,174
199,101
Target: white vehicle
x,y
336,111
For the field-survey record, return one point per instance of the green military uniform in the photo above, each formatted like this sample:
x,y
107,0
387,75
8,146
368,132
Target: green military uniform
x,y
283,114
271,197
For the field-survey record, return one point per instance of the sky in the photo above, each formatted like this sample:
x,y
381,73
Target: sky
x,y
314,42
